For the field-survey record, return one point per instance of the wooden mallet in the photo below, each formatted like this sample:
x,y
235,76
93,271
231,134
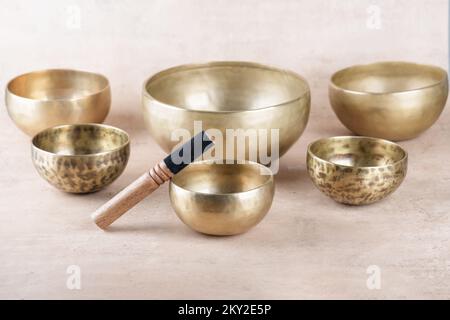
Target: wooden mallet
x,y
151,180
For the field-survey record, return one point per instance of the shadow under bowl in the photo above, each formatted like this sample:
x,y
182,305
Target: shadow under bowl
x,y
80,158
389,100
356,170
43,99
227,95
222,199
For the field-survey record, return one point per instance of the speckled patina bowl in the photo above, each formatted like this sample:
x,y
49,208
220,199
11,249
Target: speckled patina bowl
x,y
80,158
356,170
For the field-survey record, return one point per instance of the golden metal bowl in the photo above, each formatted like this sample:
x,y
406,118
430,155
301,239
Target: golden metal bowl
x,y
222,199
80,158
389,100
227,95
43,99
356,170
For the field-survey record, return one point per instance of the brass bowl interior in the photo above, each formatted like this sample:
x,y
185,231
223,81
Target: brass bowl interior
x,y
80,139
388,77
221,178
226,87
57,84
357,151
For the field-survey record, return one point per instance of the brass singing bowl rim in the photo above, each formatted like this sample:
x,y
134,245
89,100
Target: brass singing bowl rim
x,y
99,76
69,126
231,63
379,140
437,69
267,181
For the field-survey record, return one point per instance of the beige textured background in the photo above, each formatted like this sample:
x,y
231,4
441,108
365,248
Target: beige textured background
x,y
308,246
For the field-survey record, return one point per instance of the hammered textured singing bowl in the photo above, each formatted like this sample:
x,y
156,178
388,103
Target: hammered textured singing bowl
x,y
222,199
43,99
389,100
80,158
228,95
356,170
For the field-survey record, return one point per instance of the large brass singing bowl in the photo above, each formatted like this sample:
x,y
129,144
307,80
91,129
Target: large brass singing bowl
x,y
222,199
389,100
43,99
80,158
227,95
356,170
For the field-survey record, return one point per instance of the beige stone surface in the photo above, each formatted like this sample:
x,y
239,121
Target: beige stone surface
x,y
308,246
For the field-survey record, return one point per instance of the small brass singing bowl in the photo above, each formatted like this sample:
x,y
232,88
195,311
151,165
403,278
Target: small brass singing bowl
x,y
228,95
80,158
356,170
43,99
389,100
222,199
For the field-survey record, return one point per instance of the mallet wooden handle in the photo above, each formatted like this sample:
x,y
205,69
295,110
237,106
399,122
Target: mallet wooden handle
x,y
151,180
131,195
